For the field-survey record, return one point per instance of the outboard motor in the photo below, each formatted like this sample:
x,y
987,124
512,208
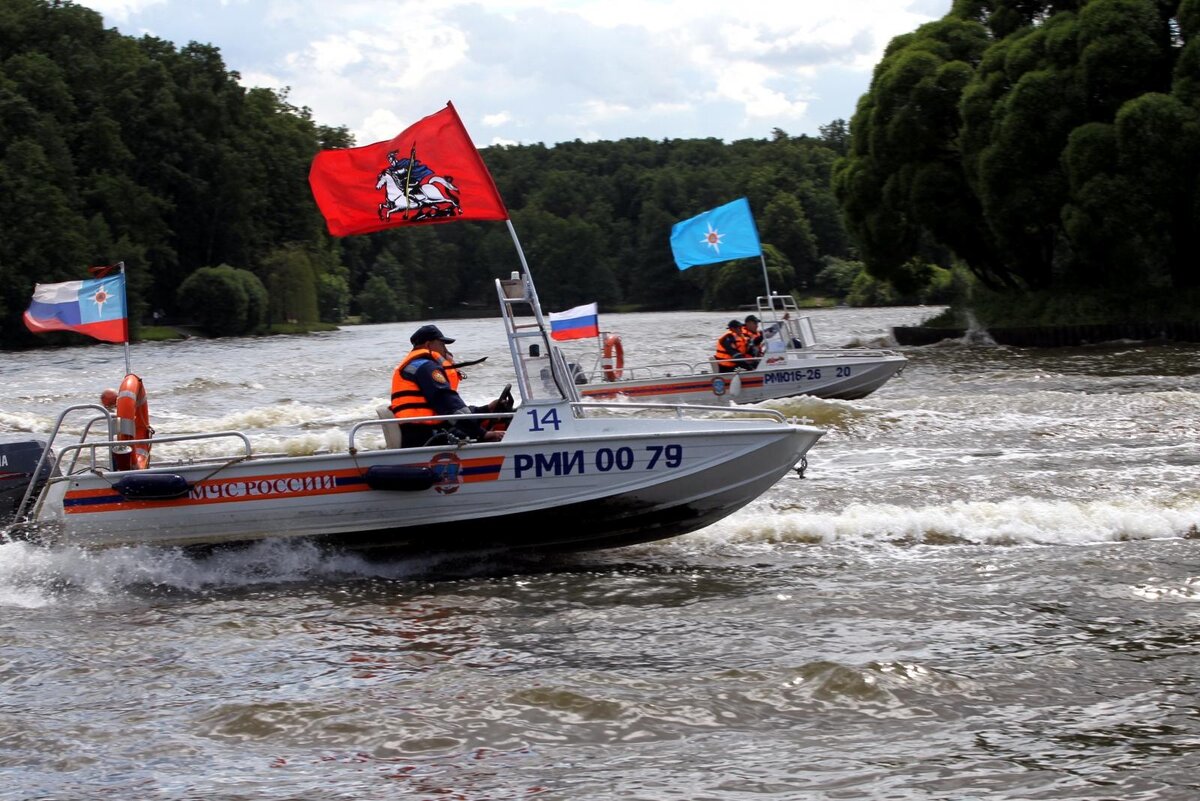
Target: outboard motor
x,y
18,459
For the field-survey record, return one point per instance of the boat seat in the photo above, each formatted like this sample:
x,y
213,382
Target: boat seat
x,y
391,434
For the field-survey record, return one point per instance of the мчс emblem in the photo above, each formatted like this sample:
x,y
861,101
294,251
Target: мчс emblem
x,y
448,469
409,185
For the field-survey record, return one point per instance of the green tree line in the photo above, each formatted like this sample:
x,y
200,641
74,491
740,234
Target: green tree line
x,y
1052,147
114,148
1046,147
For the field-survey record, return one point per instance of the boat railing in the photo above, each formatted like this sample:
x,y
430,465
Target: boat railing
x,y
770,304
659,370
828,352
787,337
76,450
784,326
44,459
87,432
73,456
582,408
385,422
681,410
633,372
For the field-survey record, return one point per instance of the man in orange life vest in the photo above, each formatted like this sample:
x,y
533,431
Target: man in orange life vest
x,y
425,383
754,341
731,349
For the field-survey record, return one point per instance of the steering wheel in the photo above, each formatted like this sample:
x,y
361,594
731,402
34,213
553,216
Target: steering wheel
x,y
506,399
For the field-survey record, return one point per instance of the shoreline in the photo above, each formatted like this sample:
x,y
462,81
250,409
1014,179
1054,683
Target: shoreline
x,y
1055,336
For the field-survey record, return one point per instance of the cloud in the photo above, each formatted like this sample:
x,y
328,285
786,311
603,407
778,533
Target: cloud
x,y
547,70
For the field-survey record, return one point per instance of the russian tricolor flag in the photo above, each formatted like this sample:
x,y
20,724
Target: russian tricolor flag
x,y
577,323
94,307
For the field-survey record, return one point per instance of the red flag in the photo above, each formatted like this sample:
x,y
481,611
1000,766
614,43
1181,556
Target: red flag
x,y
430,173
102,270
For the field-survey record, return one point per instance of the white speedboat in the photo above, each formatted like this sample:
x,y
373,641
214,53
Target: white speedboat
x,y
569,474
793,364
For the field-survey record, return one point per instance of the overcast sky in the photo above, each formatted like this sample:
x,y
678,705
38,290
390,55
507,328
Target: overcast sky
x,y
526,71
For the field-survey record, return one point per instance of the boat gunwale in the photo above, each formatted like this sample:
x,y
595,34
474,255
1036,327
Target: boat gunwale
x,y
755,419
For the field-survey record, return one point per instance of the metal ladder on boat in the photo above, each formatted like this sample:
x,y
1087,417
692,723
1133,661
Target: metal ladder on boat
x,y
540,367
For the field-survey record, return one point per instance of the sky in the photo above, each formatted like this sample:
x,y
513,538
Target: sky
x,y
549,71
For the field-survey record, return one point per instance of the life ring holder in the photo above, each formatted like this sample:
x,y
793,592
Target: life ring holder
x,y
614,358
133,423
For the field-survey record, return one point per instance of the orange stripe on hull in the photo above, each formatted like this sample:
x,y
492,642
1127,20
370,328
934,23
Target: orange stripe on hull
x,y
259,488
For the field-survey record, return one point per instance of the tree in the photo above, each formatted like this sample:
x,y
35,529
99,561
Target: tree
x,y
258,302
1046,144
837,276
784,224
333,297
292,285
118,148
904,174
378,302
216,299
836,136
36,218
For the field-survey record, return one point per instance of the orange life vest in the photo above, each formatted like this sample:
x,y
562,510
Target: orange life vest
x,y
407,398
754,343
724,357
452,374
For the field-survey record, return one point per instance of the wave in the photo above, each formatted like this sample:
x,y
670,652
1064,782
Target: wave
x,y
32,576
23,422
1011,522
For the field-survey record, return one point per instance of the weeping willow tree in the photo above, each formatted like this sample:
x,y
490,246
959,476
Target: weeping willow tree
x,y
1050,146
292,286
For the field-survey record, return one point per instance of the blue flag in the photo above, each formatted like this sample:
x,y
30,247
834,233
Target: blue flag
x,y
95,307
724,233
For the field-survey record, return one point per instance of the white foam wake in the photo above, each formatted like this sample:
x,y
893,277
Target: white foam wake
x,y
1014,521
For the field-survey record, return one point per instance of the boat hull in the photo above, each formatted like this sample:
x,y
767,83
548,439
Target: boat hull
x,y
829,375
566,475
566,494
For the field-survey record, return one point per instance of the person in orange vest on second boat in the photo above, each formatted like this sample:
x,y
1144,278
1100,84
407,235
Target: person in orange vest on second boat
x,y
425,383
754,341
731,349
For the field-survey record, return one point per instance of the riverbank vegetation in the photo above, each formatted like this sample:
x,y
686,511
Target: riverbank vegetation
x,y
1047,150
1052,147
981,307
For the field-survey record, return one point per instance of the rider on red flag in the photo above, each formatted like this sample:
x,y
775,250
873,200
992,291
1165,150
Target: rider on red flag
x,y
430,173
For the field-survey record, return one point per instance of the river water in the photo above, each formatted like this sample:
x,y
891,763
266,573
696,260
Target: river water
x,y
986,586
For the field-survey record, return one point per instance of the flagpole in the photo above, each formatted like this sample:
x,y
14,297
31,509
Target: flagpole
x,y
537,306
761,256
125,306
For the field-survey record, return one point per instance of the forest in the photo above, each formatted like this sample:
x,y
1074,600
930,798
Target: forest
x,y
1035,149
1052,147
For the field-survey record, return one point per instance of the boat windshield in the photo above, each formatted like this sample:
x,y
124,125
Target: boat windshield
x,y
781,321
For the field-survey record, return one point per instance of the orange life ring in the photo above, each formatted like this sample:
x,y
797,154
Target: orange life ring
x,y
133,422
614,358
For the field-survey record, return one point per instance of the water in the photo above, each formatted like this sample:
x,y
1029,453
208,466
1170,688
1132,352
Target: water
x,y
987,586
